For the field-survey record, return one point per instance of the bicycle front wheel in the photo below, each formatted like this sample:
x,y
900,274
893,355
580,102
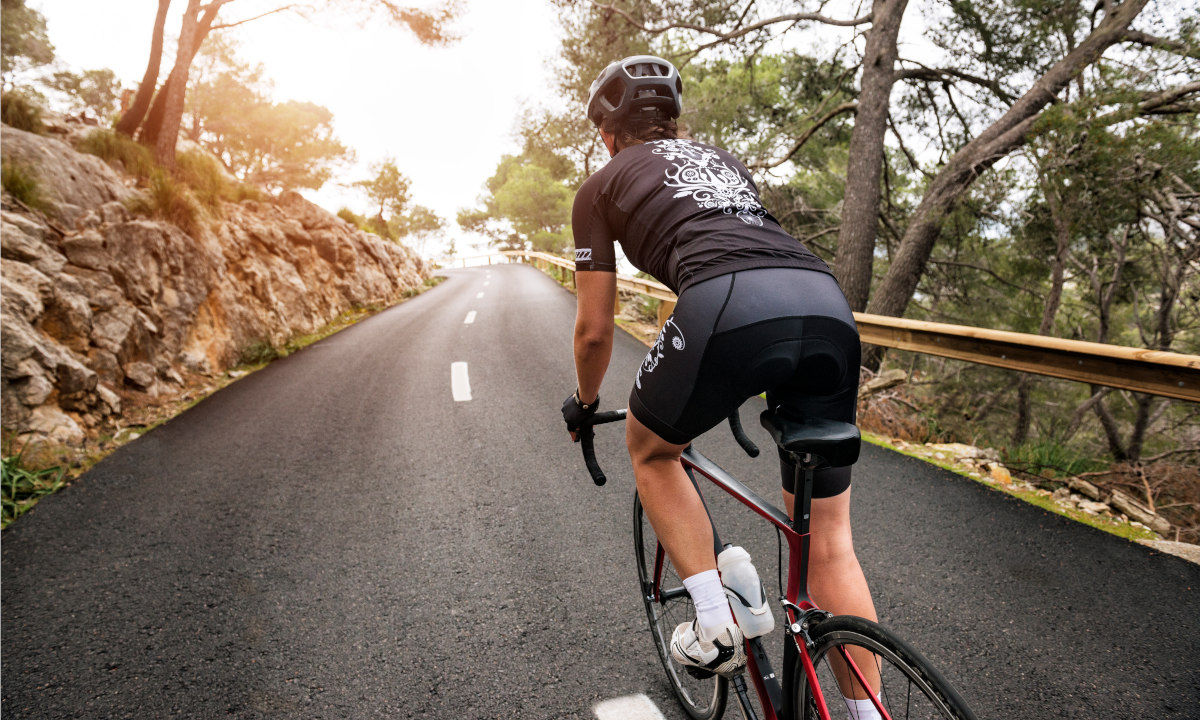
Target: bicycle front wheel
x,y
668,604
903,681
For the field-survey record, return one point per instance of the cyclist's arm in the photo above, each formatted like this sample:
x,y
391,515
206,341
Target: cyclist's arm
x,y
596,284
593,329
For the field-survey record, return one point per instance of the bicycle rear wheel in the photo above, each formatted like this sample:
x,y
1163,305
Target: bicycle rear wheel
x,y
702,699
909,687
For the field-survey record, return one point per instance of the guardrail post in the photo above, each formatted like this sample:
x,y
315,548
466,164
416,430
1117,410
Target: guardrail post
x,y
665,308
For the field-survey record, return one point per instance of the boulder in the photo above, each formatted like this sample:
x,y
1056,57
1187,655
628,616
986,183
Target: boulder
x,y
140,374
71,181
51,422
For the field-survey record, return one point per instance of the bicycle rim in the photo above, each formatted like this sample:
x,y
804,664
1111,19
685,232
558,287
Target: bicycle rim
x,y
909,687
702,699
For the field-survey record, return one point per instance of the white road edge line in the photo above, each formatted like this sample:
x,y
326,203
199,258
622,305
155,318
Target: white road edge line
x,y
478,295
470,318
460,382
629,707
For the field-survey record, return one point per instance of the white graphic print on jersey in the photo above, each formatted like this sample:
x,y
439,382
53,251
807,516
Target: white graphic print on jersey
x,y
656,352
699,172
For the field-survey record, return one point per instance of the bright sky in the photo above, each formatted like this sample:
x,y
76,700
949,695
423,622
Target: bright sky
x,y
445,114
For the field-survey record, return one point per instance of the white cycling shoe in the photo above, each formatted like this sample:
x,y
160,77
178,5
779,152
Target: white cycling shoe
x,y
724,655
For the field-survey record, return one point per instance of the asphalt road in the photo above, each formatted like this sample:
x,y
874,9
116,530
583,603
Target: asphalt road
x,y
336,537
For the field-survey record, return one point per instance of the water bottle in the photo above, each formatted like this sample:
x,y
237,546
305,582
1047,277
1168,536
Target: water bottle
x,y
745,591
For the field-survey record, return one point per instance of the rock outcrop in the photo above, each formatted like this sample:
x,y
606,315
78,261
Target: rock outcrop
x,y
100,307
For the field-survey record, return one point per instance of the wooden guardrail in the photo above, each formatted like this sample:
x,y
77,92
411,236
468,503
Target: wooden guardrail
x,y
1154,372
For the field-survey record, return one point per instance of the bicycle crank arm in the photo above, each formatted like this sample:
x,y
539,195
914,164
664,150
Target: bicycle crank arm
x,y
743,696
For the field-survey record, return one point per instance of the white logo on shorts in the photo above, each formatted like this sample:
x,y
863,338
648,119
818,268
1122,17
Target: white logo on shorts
x,y
583,255
656,352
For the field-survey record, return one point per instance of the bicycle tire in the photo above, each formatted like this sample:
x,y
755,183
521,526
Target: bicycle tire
x,y
701,699
896,661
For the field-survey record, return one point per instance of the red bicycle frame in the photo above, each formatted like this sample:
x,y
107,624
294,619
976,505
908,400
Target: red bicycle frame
x,y
797,601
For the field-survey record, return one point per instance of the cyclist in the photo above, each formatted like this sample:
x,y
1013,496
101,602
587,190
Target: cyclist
x,y
756,312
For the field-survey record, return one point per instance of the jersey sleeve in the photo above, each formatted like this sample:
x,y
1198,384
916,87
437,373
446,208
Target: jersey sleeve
x,y
593,242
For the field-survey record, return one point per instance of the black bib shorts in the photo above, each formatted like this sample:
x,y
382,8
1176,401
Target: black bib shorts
x,y
785,331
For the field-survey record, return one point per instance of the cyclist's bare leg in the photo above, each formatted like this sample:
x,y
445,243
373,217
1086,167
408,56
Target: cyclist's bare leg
x,y
669,500
836,580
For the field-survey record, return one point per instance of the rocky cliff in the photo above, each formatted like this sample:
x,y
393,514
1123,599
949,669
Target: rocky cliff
x,y
102,308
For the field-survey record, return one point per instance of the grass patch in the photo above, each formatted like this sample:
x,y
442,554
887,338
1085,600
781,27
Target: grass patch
x,y
1033,497
1048,459
170,200
209,180
120,150
20,112
21,182
21,487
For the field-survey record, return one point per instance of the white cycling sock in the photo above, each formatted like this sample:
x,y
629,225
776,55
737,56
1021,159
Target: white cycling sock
x,y
712,607
862,709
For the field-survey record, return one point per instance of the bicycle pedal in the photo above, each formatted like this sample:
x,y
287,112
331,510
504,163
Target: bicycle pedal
x,y
698,673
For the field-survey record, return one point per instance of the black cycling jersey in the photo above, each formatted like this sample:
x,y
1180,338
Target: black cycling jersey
x,y
684,212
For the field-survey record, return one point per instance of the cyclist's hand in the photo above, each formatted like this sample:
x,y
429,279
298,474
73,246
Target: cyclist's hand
x,y
576,413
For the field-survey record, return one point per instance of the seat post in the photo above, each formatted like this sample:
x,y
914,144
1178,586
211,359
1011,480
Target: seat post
x,y
801,510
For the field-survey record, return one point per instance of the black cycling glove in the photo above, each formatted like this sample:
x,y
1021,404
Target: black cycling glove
x,y
575,412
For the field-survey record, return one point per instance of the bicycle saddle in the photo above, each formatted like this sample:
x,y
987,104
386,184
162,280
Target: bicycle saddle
x,y
836,443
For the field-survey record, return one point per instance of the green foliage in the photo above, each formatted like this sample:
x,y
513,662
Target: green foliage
x,y
21,182
167,199
22,487
259,352
94,91
121,151
277,145
524,205
23,40
18,110
387,188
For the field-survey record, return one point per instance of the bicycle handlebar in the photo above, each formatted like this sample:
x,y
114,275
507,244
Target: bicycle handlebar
x,y
587,438
587,435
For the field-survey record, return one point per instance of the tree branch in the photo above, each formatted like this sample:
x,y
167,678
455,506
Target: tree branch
x,y
725,36
942,74
804,137
1138,37
224,26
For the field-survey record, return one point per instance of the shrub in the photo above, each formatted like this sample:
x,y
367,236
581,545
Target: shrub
x,y
20,182
257,353
206,177
117,149
21,487
18,111
169,200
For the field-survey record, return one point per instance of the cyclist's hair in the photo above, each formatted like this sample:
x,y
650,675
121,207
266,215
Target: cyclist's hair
x,y
638,130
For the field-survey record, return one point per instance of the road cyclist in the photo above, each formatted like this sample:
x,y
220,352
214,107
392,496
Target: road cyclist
x,y
757,312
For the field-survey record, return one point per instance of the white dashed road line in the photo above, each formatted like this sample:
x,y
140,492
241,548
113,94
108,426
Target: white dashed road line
x,y
470,318
460,382
629,707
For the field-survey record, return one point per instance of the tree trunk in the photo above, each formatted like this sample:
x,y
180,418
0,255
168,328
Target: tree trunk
x,y
1062,243
998,140
163,135
864,164
148,135
132,118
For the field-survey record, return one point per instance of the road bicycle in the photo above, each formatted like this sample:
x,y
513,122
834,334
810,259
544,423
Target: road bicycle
x,y
826,657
